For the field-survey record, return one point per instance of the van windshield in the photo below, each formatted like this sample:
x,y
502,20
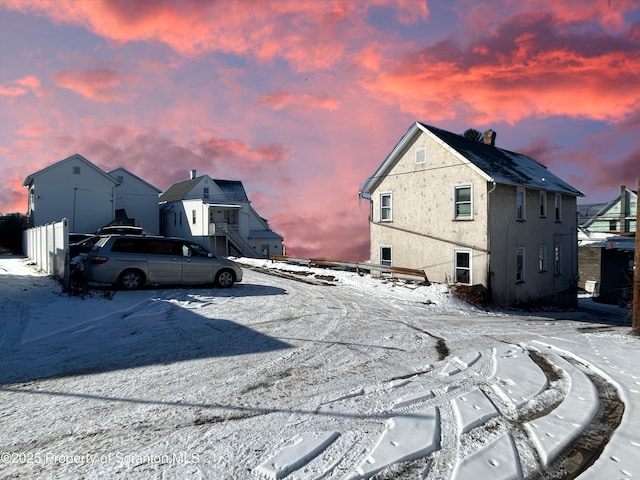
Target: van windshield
x,y
194,250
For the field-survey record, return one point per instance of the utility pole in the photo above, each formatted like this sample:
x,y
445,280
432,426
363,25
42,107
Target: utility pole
x,y
635,309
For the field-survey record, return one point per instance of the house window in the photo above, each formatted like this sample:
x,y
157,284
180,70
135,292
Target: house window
x,y
180,218
543,204
464,210
175,216
205,192
558,207
76,170
613,225
120,179
556,260
193,217
385,207
385,256
520,204
519,264
542,258
421,155
462,266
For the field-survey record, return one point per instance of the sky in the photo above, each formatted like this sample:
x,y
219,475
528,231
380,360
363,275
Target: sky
x,y
303,100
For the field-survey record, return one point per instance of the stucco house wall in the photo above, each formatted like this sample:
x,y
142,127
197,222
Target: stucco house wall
x,y
423,231
535,231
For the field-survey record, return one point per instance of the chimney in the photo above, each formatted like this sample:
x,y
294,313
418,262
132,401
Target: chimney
x,y
489,138
192,174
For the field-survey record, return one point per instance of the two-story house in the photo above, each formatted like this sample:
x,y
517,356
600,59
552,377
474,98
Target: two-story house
x,y
136,201
469,213
73,188
218,215
90,198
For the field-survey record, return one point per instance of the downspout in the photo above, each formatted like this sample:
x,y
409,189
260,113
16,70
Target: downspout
x,y
489,291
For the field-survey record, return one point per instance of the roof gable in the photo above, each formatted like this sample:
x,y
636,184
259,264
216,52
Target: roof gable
x,y
495,164
73,158
121,170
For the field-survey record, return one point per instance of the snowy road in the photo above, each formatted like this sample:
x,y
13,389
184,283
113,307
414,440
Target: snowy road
x,y
299,376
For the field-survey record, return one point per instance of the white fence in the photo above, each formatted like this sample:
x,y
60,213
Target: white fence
x,y
48,246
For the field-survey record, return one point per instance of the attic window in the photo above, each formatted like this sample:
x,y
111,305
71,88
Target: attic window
x,y
421,155
205,192
76,170
385,207
120,179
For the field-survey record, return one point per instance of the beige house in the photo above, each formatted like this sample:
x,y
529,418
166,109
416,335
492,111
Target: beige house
x,y
470,213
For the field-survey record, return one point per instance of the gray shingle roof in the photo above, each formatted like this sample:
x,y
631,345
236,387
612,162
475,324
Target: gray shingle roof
x,y
504,166
496,164
232,189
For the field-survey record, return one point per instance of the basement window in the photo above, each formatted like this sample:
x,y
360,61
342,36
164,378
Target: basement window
x,y
462,266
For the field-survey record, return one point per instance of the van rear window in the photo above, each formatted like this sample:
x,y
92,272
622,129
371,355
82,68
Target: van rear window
x,y
127,245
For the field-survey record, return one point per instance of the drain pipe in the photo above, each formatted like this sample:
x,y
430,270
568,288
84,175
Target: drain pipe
x,y
489,291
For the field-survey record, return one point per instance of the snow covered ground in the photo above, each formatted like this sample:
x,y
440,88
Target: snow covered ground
x,y
300,373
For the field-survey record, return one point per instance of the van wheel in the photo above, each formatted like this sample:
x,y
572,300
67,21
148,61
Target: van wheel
x,y
131,279
225,278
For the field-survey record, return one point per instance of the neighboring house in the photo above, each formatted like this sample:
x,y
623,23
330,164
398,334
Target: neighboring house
x,y
606,241
73,188
218,215
136,201
470,213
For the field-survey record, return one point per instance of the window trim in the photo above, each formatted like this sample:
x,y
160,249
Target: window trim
x,y
521,210
389,207
542,259
558,207
389,262
469,252
520,267
543,204
456,188
418,150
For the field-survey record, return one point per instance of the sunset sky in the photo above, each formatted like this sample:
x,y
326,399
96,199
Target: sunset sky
x,y
302,100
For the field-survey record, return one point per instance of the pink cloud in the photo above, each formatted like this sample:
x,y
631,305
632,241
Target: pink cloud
x,y
526,68
100,85
280,100
20,87
308,35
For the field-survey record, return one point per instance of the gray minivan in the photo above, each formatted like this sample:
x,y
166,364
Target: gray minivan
x,y
131,261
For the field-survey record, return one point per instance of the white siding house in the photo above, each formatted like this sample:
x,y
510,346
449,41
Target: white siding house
x,y
138,200
73,188
469,213
218,215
